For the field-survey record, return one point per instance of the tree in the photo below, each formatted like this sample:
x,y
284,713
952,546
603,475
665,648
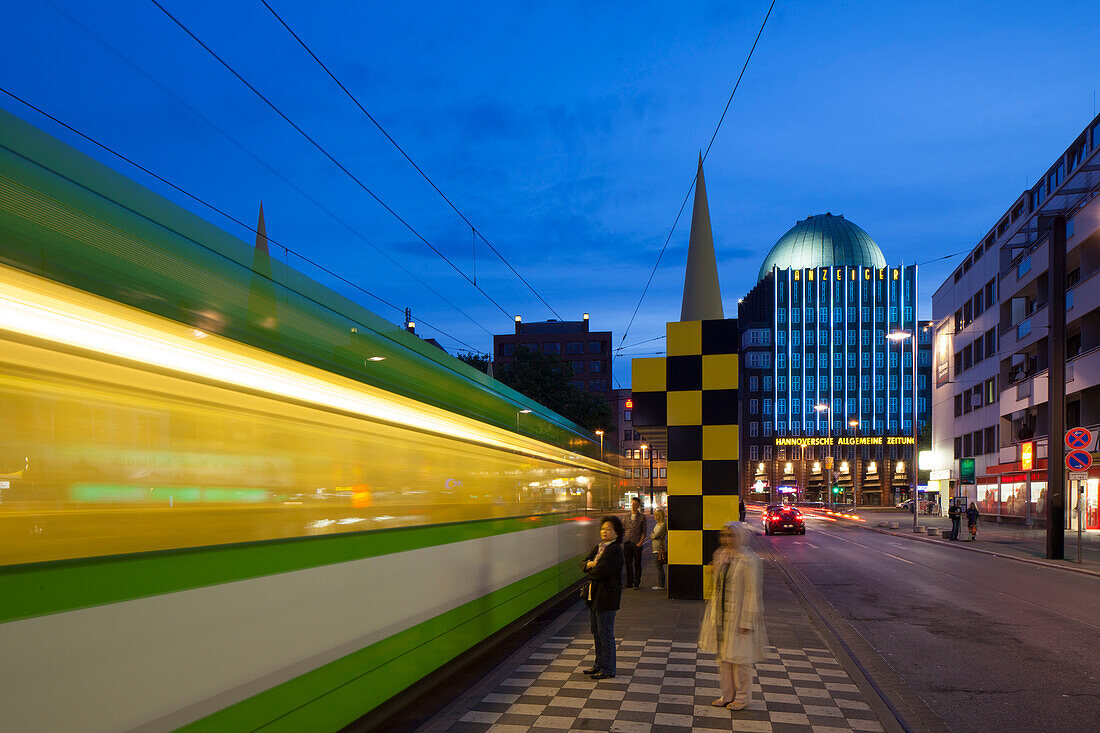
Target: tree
x,y
547,379
474,359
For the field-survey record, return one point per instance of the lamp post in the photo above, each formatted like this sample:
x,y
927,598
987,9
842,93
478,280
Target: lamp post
x,y
854,425
524,411
802,459
600,433
644,447
899,337
647,448
829,451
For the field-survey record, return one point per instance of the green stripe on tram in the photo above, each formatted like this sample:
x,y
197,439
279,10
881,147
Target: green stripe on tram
x,y
336,694
38,589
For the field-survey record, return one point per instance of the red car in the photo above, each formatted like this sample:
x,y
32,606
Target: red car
x,y
783,518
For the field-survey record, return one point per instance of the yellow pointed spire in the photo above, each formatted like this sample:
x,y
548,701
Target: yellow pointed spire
x,y
702,296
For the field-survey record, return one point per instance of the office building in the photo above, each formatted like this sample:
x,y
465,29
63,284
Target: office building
x,y
827,370
587,352
638,459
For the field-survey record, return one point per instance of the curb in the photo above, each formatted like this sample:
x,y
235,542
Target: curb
x,y
942,543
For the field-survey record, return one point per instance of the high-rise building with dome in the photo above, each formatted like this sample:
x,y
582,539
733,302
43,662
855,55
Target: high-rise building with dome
x,y
827,394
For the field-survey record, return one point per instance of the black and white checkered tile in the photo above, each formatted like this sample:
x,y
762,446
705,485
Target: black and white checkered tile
x,y
664,685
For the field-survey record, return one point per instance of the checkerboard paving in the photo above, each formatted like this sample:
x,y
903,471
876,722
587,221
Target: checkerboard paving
x,y
665,685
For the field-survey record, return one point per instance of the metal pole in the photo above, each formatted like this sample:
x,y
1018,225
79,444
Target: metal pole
x,y
652,506
913,463
1056,387
829,452
1080,506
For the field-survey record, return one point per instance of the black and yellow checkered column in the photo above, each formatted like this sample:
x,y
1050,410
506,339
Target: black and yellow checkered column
x,y
693,393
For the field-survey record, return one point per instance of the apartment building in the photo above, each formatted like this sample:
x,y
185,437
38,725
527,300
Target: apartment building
x,y
1009,479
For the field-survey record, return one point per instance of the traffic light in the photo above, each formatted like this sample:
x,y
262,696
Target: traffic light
x,y
836,489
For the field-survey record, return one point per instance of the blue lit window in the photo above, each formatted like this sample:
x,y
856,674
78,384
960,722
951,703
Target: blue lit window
x,y
893,314
878,359
794,315
851,360
794,360
909,359
810,338
893,358
878,404
781,360
851,336
838,383
907,405
879,382
866,404
893,426
878,313
865,382
795,338
878,425
809,314
810,360
851,404
767,407
768,384
781,382
794,382
851,383
907,385
838,360
866,312
781,405
893,381
809,428
781,315
908,313
781,338
893,405
865,359
767,429
865,337
824,336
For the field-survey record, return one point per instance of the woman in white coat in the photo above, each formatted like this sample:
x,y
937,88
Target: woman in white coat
x,y
733,625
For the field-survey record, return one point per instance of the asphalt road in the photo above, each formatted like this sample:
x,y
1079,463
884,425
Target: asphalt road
x,y
990,644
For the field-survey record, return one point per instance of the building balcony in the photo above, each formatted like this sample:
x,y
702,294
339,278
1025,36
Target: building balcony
x,y
1082,371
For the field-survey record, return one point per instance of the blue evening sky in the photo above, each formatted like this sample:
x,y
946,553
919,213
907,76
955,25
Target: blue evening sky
x,y
568,133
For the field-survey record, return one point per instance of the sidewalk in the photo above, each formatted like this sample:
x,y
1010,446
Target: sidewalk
x,y
1013,540
663,682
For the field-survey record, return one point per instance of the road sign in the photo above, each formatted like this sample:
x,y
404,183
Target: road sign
x,y
1078,460
1078,438
1078,475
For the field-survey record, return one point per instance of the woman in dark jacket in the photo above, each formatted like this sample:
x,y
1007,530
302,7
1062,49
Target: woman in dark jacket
x,y
603,590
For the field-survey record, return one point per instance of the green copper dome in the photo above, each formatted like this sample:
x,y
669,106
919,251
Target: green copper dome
x,y
820,241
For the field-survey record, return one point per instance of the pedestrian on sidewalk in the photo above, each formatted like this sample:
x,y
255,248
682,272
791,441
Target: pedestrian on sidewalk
x,y
955,514
603,591
733,624
659,546
742,510
972,520
633,538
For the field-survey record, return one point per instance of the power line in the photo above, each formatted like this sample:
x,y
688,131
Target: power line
x,y
639,343
355,232
327,154
419,170
696,176
210,206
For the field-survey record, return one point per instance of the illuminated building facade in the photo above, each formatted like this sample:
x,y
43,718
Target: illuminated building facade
x,y
821,377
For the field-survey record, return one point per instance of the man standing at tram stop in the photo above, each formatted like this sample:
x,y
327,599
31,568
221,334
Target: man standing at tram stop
x,y
633,539
955,514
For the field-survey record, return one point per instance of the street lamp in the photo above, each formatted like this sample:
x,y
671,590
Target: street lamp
x,y
829,457
600,433
854,425
644,449
899,337
524,411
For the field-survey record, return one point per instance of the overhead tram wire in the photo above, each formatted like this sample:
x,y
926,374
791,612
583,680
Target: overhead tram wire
x,y
419,170
695,177
324,151
214,208
278,175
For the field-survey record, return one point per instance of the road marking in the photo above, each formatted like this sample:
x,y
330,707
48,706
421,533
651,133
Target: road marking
x,y
966,580
811,544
